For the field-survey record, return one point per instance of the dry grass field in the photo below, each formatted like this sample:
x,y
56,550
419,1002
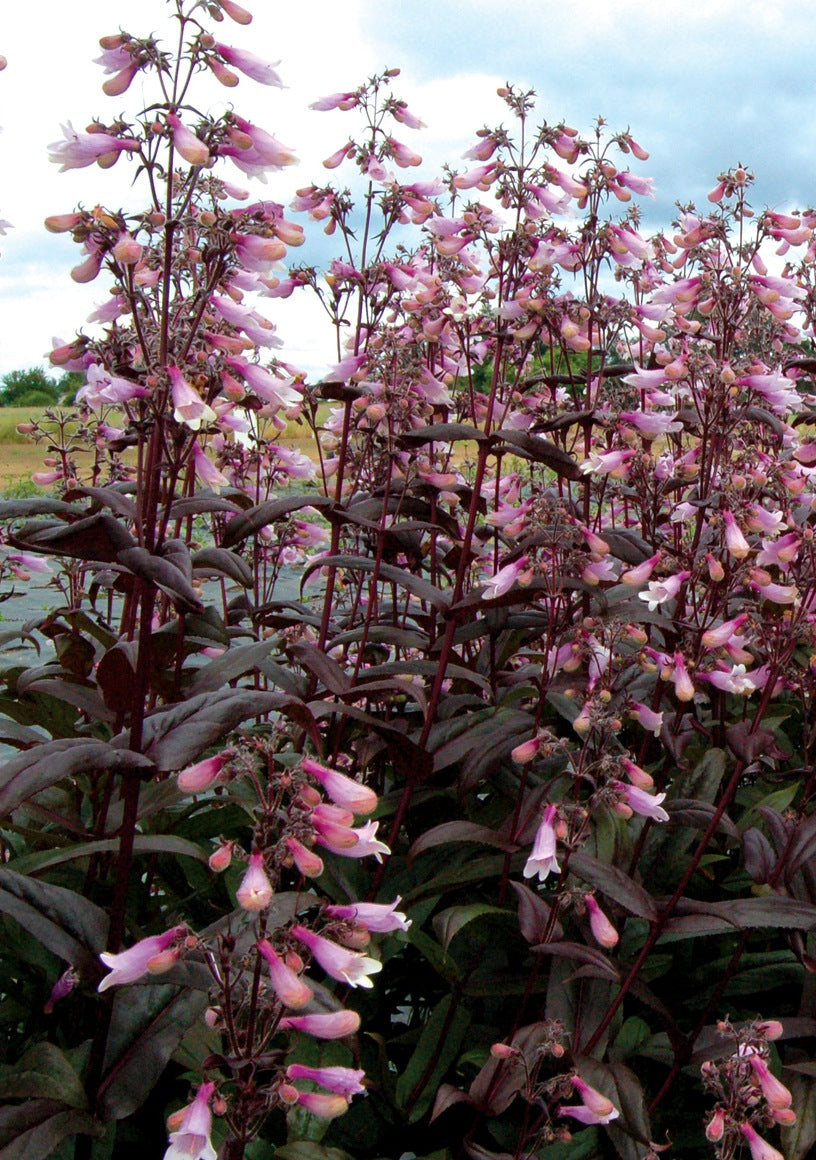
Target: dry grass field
x,y
19,456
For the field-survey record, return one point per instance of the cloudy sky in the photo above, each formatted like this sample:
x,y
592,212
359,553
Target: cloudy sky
x,y
703,86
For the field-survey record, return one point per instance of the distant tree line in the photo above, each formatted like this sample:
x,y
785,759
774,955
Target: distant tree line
x,y
34,388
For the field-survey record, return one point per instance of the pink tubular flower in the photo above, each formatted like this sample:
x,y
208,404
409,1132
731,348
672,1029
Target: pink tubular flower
x,y
333,1025
192,1139
595,1109
188,406
722,633
374,916
63,986
127,966
191,148
81,149
199,777
646,804
255,891
344,101
735,541
289,987
641,572
760,1149
307,862
235,11
367,843
504,579
342,790
206,470
772,1089
346,966
343,1081
318,1103
716,1126
250,65
659,591
683,684
542,859
602,929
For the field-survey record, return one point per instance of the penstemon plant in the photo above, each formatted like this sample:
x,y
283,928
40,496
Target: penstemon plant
x,y
557,527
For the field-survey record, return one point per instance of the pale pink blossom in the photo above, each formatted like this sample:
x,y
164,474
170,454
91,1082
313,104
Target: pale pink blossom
x,y
641,572
333,1025
250,65
542,860
605,462
595,1108
191,1141
343,1081
235,11
659,591
188,406
206,470
342,790
191,148
352,967
683,684
81,149
735,541
255,891
503,580
378,917
643,803
738,680
602,929
772,1089
307,862
201,776
290,988
760,1149
720,635
342,101
127,966
367,843
321,1104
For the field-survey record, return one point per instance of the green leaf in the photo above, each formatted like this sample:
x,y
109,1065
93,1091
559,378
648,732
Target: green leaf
x,y
461,831
31,1131
798,1140
438,1045
45,765
448,923
142,844
43,1072
614,884
310,1150
67,924
223,563
147,1025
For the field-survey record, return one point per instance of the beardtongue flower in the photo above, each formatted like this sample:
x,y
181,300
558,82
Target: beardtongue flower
x,y
504,579
63,986
772,1089
346,966
343,1081
191,148
342,790
320,1104
308,863
250,65
374,916
602,929
191,1141
199,777
255,891
646,804
595,1109
760,1149
188,406
289,987
130,965
542,859
332,1025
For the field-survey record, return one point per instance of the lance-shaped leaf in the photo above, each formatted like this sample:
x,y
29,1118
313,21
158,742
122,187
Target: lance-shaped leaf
x,y
442,433
449,923
175,737
147,1025
100,538
32,1130
43,1072
615,884
255,518
580,953
439,1042
45,765
165,575
67,924
538,450
221,562
460,831
534,915
418,587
